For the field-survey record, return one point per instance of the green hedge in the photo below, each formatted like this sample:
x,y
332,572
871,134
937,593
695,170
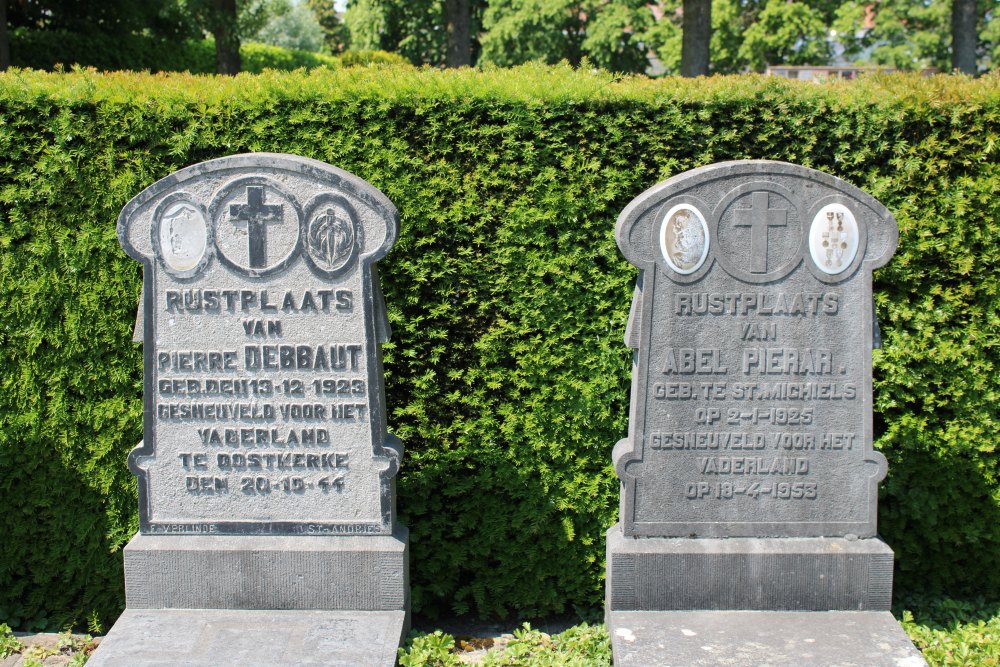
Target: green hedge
x,y
507,377
38,49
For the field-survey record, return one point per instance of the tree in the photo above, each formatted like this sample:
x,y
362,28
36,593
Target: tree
x,y
964,14
730,21
610,33
791,33
412,28
616,37
457,19
229,21
295,29
691,37
897,33
519,31
365,21
748,34
990,36
223,26
4,38
697,37
335,34
160,18
417,29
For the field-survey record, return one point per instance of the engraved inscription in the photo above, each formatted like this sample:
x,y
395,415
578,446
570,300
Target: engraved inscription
x,y
739,304
745,424
272,421
736,406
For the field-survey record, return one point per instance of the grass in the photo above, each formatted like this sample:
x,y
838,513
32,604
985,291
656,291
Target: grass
x,y
76,648
582,645
953,633
949,632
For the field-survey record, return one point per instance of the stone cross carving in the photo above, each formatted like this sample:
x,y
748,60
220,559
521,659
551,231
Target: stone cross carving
x,y
759,218
257,215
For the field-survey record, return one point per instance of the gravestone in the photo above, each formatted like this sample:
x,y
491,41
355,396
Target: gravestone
x,y
749,482
267,522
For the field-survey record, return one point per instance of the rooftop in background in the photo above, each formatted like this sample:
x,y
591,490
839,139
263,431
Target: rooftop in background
x,y
819,72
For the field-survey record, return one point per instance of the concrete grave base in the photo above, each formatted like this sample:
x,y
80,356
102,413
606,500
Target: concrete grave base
x,y
261,600
250,638
364,572
794,574
758,638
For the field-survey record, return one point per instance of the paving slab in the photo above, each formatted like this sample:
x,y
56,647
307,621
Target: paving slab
x,y
251,638
760,639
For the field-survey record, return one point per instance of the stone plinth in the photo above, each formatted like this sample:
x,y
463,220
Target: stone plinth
x,y
806,573
367,573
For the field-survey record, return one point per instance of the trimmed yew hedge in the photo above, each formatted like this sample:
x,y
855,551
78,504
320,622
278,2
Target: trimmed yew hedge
x,y
507,377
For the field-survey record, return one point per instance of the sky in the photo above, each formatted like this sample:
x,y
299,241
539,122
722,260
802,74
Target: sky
x,y
339,5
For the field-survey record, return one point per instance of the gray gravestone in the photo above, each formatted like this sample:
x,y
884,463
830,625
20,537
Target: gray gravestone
x,y
266,473
748,477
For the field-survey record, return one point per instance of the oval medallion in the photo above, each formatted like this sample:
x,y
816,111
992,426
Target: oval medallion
x,y
331,239
684,239
183,236
333,235
833,239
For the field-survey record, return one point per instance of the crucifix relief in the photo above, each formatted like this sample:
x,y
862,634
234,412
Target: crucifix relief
x,y
759,218
257,215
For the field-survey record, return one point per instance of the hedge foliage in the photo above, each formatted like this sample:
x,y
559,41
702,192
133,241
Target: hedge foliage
x,y
47,49
507,377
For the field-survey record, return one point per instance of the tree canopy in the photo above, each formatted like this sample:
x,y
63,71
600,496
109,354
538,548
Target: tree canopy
x,y
725,36
415,29
162,18
295,28
626,35
609,33
335,34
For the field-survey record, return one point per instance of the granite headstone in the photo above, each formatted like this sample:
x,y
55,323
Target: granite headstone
x,y
748,477
266,471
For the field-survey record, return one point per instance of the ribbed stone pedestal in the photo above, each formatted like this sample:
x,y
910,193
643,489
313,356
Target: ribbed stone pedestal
x,y
793,574
365,573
